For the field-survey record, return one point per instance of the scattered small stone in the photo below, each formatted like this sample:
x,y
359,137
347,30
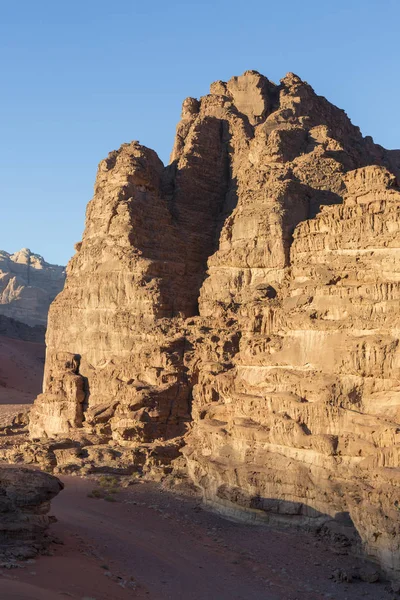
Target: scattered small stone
x,y
341,576
10,565
132,585
395,587
58,541
369,575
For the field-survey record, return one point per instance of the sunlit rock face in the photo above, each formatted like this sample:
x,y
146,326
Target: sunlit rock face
x,y
242,304
28,284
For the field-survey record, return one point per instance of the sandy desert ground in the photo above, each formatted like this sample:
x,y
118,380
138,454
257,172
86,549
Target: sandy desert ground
x,y
153,544
21,370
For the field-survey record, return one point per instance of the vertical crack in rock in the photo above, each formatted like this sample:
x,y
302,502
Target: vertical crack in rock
x,y
241,306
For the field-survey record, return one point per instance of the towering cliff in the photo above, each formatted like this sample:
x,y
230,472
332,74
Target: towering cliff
x,y
28,284
241,305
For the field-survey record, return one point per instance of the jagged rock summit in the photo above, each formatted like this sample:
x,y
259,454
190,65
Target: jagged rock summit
x,y
28,285
241,306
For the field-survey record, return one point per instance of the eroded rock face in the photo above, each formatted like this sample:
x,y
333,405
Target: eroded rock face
x,y
243,302
303,421
28,284
25,497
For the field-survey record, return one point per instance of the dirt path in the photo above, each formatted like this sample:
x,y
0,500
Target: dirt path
x,y
152,544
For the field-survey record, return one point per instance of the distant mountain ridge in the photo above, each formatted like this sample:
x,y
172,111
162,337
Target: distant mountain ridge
x,y
28,285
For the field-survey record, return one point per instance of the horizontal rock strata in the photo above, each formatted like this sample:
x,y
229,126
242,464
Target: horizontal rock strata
x,y
240,305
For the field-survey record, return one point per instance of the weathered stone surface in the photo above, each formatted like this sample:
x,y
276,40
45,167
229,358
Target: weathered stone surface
x,y
25,497
243,301
28,284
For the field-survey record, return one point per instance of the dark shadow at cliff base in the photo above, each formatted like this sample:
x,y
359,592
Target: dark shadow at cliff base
x,y
235,504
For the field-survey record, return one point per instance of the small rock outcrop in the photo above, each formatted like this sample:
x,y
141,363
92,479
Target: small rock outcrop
x,y
25,496
240,307
28,284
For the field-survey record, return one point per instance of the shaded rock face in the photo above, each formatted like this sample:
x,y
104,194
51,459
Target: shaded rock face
x,y
28,284
25,497
243,302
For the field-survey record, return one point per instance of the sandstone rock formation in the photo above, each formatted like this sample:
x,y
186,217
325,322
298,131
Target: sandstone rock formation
x,y
241,305
28,284
25,497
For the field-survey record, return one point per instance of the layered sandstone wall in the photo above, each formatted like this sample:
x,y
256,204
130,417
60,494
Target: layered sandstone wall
x,y
303,422
241,303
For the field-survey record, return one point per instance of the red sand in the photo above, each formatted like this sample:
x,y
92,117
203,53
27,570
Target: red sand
x,y
173,549
21,370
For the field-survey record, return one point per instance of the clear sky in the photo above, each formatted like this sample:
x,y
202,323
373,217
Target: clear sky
x,y
78,78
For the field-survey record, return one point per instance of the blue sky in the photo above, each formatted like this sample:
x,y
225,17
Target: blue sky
x,y
80,78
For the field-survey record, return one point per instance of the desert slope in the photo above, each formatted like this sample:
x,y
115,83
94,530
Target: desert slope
x,y
21,371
